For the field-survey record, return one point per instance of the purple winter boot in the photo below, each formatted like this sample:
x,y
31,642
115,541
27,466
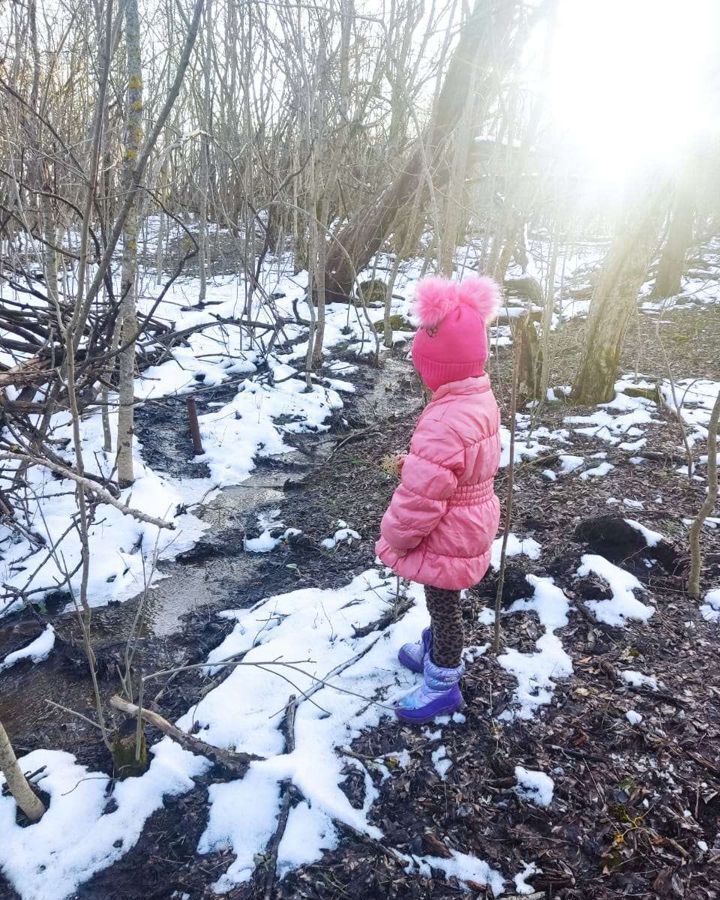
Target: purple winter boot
x,y
438,695
413,656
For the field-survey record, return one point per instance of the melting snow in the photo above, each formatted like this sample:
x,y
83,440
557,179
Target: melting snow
x,y
78,835
570,463
598,471
710,609
652,538
515,547
638,680
122,549
521,885
623,605
343,535
441,761
461,866
695,397
37,650
536,672
536,787
293,644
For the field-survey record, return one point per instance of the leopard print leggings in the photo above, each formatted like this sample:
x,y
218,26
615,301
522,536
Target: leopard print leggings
x,y
447,626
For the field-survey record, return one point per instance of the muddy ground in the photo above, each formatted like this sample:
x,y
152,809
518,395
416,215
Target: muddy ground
x,y
633,804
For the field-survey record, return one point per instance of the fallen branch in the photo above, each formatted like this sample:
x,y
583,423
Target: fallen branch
x,y
234,763
355,436
394,614
289,791
89,485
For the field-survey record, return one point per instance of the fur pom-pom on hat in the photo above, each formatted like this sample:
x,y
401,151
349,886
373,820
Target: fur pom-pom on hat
x,y
482,295
436,297
451,343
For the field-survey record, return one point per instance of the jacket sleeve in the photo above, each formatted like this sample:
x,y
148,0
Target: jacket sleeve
x,y
428,480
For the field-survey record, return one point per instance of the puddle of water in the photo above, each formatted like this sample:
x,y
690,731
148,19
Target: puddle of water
x,y
219,579
234,504
381,401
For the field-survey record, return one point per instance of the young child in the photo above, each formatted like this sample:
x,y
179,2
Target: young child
x,y
444,515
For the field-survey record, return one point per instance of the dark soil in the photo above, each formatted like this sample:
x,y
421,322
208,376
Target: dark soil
x,y
631,802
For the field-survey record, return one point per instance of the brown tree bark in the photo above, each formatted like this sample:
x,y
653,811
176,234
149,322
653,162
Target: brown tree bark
x,y
358,240
613,302
671,268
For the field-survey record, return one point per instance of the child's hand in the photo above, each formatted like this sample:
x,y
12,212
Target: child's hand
x,y
392,464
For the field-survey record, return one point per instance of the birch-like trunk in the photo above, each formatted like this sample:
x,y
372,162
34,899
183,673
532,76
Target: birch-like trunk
x,y
128,282
18,784
205,157
547,318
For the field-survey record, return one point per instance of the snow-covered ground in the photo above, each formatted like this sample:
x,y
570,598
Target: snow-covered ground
x,y
296,652
271,401
295,649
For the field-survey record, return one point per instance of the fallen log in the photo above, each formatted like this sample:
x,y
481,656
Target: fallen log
x,y
234,763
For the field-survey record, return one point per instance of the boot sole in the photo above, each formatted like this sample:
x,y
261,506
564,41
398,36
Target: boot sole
x,y
420,716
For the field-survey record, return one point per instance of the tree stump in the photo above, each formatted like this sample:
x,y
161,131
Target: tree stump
x,y
124,744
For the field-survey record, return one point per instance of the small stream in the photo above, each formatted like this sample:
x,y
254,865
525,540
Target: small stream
x,y
177,618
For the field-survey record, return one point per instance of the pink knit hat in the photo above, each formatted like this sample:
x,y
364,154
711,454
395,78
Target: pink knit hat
x,y
451,343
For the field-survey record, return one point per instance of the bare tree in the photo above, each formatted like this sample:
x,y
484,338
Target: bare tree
x,y
614,301
671,266
357,241
128,283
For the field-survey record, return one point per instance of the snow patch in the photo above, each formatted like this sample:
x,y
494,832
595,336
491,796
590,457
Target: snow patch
x,y
623,606
521,885
536,787
343,535
515,547
597,471
638,680
36,650
536,672
304,644
710,609
461,866
78,836
441,761
652,538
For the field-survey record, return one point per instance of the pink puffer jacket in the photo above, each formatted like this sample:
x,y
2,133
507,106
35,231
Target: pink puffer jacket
x,y
444,514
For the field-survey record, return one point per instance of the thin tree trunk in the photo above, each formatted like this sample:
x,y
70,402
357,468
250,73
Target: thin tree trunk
x,y
547,317
128,283
205,157
23,794
708,506
508,502
319,298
